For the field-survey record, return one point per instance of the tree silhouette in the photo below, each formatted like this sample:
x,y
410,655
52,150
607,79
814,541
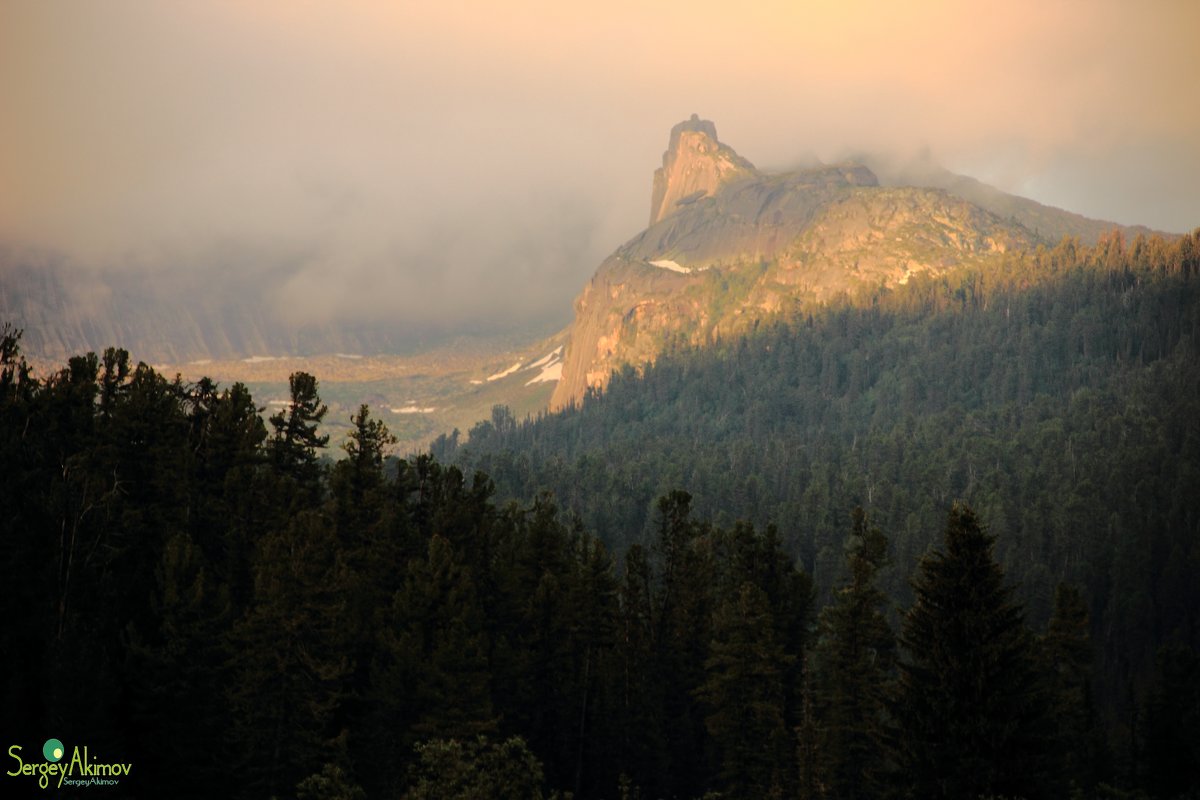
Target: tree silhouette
x,y
971,710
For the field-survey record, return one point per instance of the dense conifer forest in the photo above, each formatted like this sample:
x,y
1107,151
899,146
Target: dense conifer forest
x,y
938,541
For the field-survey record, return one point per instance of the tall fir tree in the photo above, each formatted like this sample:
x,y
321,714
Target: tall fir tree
x,y
971,708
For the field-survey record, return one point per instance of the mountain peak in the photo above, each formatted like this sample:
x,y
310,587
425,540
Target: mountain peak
x,y
694,124
695,164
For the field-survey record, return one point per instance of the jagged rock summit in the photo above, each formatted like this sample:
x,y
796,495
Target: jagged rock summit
x,y
695,164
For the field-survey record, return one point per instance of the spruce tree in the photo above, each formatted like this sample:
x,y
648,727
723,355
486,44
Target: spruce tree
x,y
971,711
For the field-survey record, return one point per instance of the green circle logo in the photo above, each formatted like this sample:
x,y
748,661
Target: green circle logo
x,y
52,750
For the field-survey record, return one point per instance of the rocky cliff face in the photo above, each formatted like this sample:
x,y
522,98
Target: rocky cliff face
x,y
729,246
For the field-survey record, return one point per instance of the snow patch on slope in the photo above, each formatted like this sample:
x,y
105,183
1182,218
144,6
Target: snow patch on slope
x,y
667,263
551,365
505,373
546,359
549,369
674,266
551,372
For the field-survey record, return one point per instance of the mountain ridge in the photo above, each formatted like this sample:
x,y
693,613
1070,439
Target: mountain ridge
x,y
1045,220
773,243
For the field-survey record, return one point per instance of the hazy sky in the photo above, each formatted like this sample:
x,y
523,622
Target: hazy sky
x,y
480,158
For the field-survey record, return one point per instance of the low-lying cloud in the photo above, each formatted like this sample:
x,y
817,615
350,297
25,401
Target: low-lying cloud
x,y
475,161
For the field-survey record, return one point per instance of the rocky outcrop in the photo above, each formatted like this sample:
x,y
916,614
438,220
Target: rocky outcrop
x,y
695,165
751,245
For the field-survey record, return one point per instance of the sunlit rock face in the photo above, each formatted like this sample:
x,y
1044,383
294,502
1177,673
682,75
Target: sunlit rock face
x,y
695,164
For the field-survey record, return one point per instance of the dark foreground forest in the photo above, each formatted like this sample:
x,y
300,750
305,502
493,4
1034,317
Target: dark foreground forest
x,y
217,602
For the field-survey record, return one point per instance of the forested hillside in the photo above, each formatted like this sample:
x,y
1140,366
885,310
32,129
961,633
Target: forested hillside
x,y
1058,394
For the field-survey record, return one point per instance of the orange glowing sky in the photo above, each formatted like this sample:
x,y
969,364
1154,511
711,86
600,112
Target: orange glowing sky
x,y
469,137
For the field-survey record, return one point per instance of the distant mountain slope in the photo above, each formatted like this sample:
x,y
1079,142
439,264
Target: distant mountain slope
x,y
1047,222
160,318
175,316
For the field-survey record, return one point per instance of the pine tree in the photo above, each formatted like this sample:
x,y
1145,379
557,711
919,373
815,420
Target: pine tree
x,y
594,631
682,617
971,711
294,444
365,447
642,745
441,636
743,695
358,487
372,555
227,487
854,659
